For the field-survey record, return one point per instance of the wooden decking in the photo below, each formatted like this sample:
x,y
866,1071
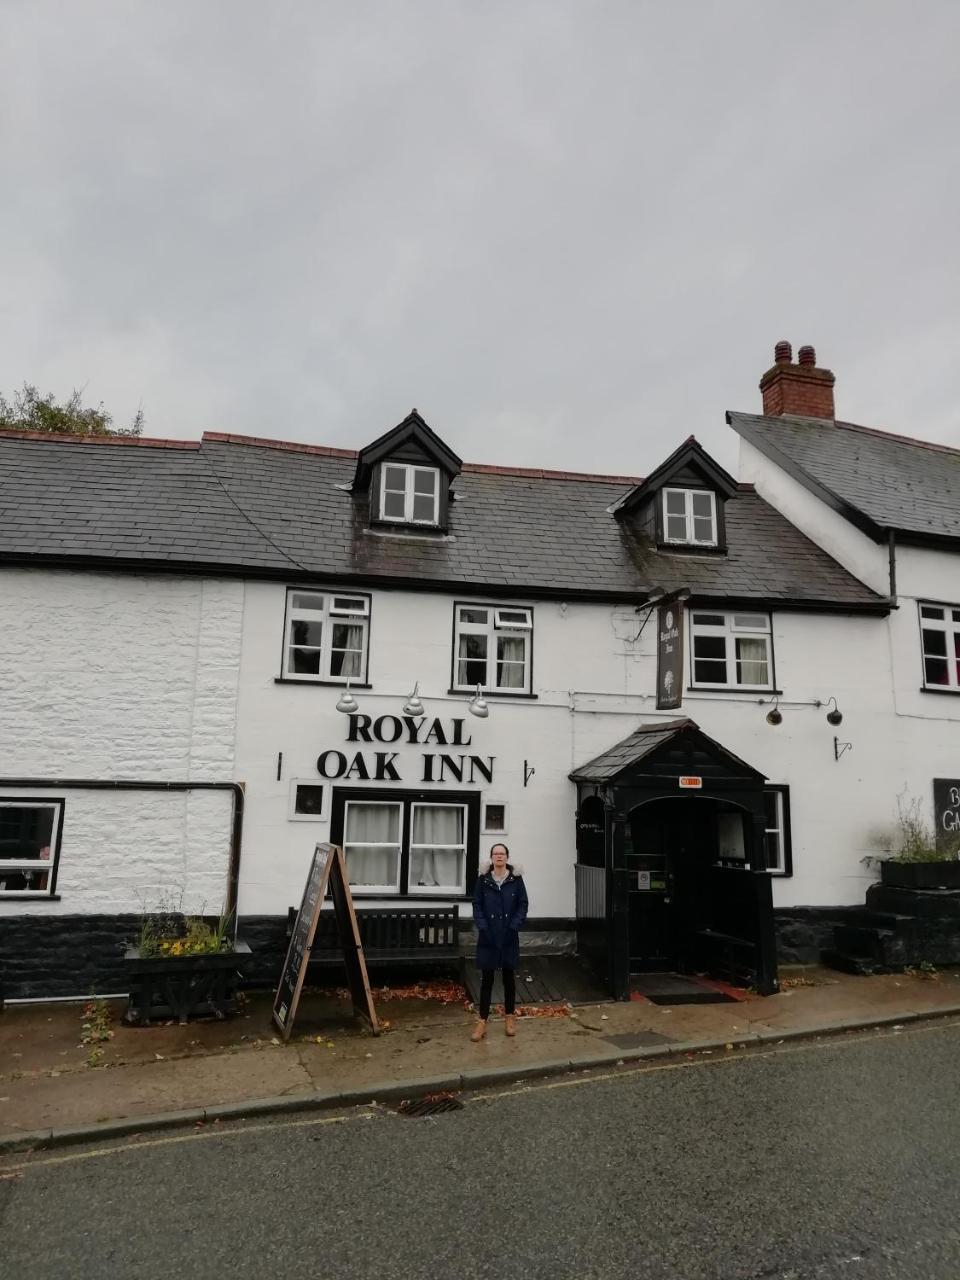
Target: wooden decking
x,y
544,980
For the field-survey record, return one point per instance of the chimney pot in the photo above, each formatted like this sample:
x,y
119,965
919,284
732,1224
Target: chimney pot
x,y
783,352
800,390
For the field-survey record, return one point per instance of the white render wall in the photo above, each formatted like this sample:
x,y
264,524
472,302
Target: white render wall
x,y
918,731
595,685
122,676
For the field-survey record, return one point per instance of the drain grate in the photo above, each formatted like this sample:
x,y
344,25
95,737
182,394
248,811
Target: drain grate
x,y
432,1105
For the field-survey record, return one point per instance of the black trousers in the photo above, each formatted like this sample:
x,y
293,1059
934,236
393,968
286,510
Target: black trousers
x,y
486,991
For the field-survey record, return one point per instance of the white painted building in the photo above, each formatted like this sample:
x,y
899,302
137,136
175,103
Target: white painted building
x,y
178,616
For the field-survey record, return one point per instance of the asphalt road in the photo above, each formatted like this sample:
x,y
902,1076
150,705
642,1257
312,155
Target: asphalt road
x,y
835,1160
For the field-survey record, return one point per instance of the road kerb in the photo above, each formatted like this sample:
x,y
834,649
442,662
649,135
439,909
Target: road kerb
x,y
473,1078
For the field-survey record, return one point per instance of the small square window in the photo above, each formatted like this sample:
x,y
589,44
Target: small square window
x,y
306,801
495,819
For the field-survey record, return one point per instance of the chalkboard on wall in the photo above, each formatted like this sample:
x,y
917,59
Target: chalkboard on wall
x,y
328,870
946,812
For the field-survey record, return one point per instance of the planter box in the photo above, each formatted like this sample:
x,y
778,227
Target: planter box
x,y
921,875
184,986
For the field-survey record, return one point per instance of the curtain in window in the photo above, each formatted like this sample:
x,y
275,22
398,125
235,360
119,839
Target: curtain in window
x,y
346,651
437,847
752,661
511,654
371,843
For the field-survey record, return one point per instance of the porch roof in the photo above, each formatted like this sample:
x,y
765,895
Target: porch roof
x,y
646,740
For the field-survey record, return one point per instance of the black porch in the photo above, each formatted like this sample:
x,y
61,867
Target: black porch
x,y
670,872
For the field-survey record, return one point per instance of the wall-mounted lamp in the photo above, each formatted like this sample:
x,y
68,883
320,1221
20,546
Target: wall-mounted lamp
x,y
477,706
347,703
413,706
835,716
774,715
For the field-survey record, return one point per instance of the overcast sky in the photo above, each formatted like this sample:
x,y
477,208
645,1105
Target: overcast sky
x,y
568,232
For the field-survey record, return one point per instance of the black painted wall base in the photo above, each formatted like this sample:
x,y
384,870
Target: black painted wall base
x,y
803,932
44,956
73,955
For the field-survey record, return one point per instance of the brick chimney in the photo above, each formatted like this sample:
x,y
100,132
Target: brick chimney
x,y
799,388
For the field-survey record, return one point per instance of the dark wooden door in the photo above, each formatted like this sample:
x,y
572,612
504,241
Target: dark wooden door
x,y
670,840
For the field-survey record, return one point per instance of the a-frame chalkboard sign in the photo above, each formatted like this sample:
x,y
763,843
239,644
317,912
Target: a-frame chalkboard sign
x,y
327,871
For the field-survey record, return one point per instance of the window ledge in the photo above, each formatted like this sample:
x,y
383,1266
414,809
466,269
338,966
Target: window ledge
x,y
932,688
325,684
13,895
400,898
489,693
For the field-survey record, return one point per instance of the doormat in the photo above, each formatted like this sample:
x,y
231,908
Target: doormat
x,y
676,988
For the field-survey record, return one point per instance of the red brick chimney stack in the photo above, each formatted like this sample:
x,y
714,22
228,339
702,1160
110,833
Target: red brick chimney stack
x,y
800,388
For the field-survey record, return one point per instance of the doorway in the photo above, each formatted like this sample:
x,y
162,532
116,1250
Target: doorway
x,y
683,886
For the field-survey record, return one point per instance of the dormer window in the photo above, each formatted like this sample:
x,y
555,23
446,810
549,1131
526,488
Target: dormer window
x,y
690,517
409,494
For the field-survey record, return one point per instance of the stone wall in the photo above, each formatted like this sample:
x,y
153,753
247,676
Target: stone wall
x,y
803,932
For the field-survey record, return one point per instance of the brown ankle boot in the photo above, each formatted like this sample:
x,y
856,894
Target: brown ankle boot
x,y
510,1024
479,1031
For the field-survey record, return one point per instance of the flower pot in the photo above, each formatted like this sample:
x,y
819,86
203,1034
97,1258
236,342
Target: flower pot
x,y
921,875
182,987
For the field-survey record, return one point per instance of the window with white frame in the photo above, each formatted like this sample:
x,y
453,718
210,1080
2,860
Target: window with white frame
x,y
492,647
730,650
409,494
406,846
940,642
495,820
776,805
438,848
690,516
326,636
29,845
372,831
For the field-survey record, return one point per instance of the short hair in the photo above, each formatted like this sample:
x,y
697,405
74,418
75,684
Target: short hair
x,y
499,845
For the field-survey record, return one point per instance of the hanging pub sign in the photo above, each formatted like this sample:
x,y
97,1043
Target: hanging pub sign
x,y
328,870
946,812
669,656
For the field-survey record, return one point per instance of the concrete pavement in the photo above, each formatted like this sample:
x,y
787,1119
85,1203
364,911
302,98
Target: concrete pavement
x,y
56,1088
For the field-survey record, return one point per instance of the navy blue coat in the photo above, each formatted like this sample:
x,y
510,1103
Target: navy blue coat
x,y
498,912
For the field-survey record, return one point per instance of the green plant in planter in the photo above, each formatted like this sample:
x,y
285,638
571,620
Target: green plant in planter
x,y
914,839
169,932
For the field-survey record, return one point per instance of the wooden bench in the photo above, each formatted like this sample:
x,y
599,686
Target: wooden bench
x,y
728,956
400,936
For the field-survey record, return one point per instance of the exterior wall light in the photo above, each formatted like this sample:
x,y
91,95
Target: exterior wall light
x,y
413,706
774,715
347,703
835,716
477,706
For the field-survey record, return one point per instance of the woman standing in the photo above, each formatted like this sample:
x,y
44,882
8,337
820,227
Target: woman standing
x,y
499,910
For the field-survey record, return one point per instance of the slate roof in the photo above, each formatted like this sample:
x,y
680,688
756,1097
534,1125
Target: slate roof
x,y
237,505
645,741
877,480
642,742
